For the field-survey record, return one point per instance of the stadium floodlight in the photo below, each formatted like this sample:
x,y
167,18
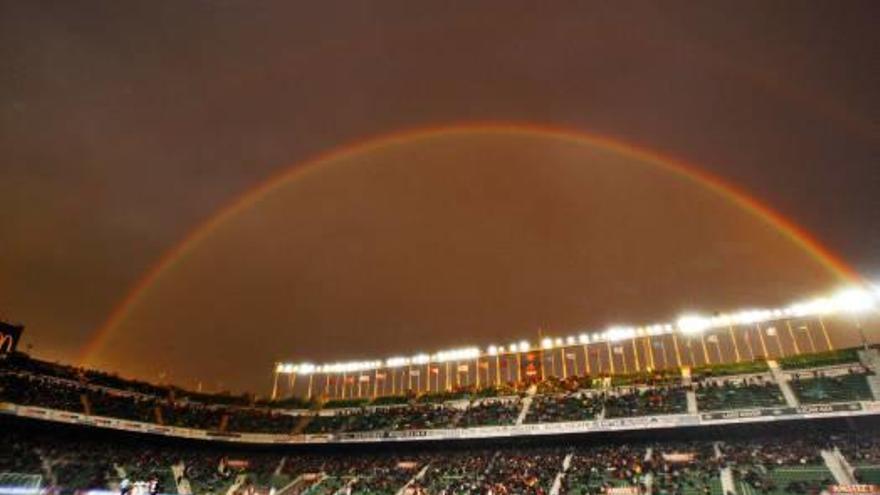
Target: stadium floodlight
x,y
814,307
457,355
421,359
285,368
693,324
750,316
396,362
854,301
616,334
851,300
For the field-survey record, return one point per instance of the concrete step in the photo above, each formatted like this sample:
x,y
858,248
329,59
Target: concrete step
x,y
417,477
845,463
779,377
238,483
292,487
727,484
183,486
833,462
526,404
557,481
871,359
874,385
346,488
692,402
648,481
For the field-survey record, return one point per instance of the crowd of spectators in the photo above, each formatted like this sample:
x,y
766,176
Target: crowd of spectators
x,y
863,454
646,401
571,407
527,473
43,391
679,468
791,467
490,413
596,468
422,416
713,395
774,465
817,386
31,382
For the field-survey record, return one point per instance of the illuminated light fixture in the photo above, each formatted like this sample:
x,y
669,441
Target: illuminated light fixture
x,y
811,308
693,324
395,362
751,316
305,369
616,334
854,301
849,300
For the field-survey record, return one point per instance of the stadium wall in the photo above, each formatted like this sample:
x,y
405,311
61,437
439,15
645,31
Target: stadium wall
x,y
756,417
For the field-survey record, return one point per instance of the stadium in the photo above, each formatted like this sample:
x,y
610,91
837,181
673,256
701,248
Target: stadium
x,y
396,247
774,408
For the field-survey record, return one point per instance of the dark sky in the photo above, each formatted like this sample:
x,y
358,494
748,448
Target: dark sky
x,y
124,125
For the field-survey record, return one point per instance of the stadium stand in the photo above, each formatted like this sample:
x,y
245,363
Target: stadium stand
x,y
818,387
30,382
863,454
727,394
647,401
595,469
778,468
490,413
402,418
783,462
690,468
571,407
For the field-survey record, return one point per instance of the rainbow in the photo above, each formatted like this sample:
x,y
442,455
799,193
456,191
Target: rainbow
x,y
704,179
